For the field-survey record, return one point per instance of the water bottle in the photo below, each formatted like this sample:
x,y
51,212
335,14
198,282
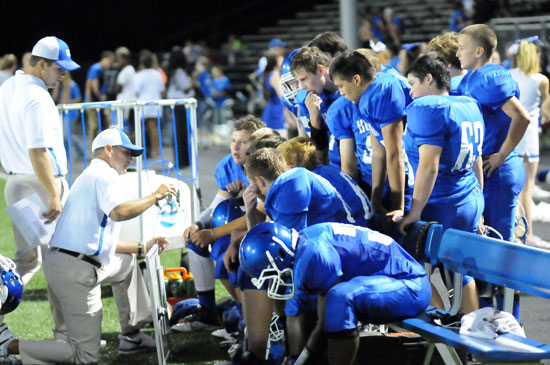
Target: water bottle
x,y
176,284
190,290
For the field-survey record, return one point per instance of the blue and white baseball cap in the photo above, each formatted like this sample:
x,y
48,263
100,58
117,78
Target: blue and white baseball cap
x,y
115,137
53,48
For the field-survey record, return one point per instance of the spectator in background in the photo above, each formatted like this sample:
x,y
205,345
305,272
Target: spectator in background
x,y
273,114
460,18
533,91
408,54
8,65
25,60
390,25
203,87
276,46
68,92
149,86
180,86
125,83
220,94
95,91
192,51
233,49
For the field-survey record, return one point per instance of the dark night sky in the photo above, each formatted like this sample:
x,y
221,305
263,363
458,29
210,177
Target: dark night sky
x,y
92,26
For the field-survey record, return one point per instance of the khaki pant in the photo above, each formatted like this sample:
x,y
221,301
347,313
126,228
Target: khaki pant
x,y
75,295
27,259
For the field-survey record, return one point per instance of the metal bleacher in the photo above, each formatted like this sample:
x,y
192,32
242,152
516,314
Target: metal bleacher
x,y
423,20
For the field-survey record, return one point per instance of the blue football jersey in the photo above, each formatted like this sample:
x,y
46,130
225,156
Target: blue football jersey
x,y
382,103
455,124
491,85
345,121
329,251
299,198
401,79
350,192
455,82
328,99
228,171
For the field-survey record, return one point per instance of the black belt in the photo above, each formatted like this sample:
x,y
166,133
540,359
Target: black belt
x,y
78,255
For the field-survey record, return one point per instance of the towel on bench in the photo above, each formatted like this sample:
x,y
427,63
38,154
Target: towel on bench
x,y
488,323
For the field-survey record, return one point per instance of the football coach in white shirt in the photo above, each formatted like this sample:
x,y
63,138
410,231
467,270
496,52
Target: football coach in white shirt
x,y
85,252
31,140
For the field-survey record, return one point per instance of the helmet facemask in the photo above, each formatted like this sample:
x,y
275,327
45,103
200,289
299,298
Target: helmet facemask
x,y
290,87
281,282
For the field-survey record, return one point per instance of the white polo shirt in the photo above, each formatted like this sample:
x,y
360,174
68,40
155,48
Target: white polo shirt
x,y
84,225
29,119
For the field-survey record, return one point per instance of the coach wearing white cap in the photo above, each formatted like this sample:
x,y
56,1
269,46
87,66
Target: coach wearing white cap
x,y
31,139
85,252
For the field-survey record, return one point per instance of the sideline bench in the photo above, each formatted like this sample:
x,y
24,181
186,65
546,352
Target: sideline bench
x,y
502,263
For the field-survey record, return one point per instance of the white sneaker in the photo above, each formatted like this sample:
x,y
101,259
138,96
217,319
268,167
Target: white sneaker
x,y
539,243
6,337
539,193
138,343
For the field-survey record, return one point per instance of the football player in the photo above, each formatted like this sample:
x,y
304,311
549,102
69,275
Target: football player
x,y
231,180
381,101
355,273
448,132
505,123
310,68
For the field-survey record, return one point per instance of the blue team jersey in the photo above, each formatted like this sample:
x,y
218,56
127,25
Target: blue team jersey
x,y
345,121
383,103
350,192
492,86
328,99
455,82
329,252
401,79
228,171
455,124
299,198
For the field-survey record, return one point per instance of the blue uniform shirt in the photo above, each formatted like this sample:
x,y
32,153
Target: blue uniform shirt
x,y
328,252
328,99
350,192
455,124
228,171
455,81
345,121
299,198
491,85
382,103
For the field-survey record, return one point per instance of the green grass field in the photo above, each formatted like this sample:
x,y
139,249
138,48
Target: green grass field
x,y
32,320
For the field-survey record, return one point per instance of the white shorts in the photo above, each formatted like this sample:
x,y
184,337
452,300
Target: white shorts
x,y
529,144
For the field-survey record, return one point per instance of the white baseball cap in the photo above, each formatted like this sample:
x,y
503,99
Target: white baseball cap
x,y
53,48
115,137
